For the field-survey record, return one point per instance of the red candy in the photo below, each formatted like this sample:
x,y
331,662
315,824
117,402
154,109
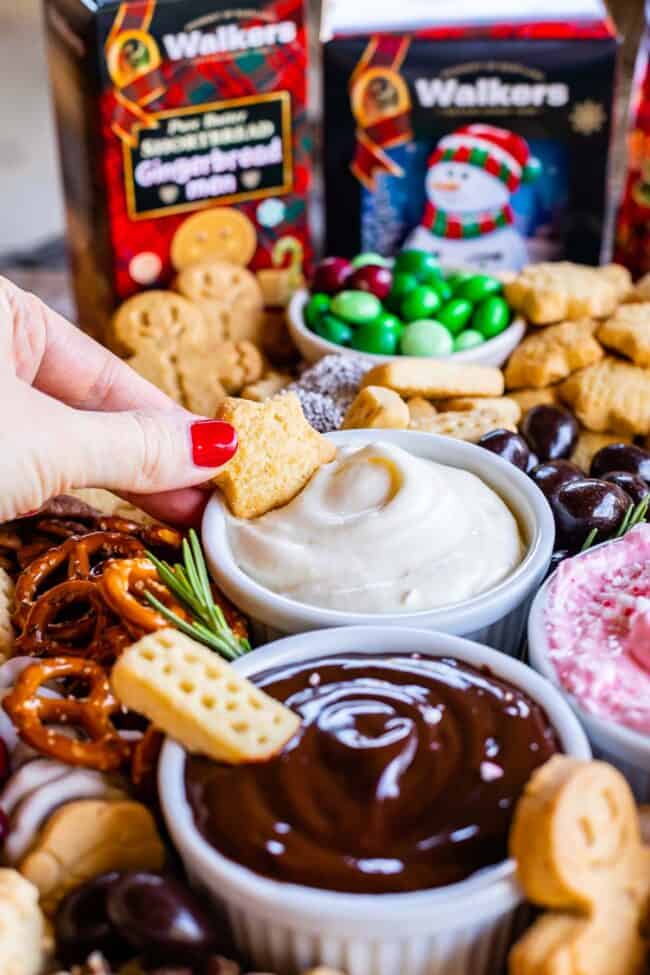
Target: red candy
x,y
331,275
373,278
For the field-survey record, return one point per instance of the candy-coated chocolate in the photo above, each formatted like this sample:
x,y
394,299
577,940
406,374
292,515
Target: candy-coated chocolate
x,y
379,337
511,446
552,474
621,457
491,317
426,338
403,283
82,924
456,278
330,275
632,484
583,505
333,329
444,290
469,339
356,307
404,775
478,287
417,262
455,314
551,431
317,306
369,257
422,302
374,278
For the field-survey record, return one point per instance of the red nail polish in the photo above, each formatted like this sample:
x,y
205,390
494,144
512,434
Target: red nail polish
x,y
213,442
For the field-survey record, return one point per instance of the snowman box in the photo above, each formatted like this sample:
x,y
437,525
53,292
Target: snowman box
x,y
477,131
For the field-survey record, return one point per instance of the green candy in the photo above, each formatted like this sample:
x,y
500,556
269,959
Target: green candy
x,y
426,338
444,290
317,306
422,302
468,339
334,330
403,284
379,337
456,314
387,320
419,263
491,317
456,278
370,257
356,307
478,287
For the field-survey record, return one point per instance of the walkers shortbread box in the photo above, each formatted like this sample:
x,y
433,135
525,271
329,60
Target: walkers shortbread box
x,y
479,132
183,134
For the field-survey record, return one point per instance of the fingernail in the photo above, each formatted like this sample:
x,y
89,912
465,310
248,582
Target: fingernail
x,y
213,442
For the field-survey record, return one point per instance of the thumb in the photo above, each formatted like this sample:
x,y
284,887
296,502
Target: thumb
x,y
145,452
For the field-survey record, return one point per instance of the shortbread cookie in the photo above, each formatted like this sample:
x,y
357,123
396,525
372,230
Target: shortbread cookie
x,y
590,443
6,607
544,357
527,398
628,332
278,453
468,425
220,233
576,841
192,694
554,292
22,926
269,385
433,379
420,409
162,317
507,407
377,408
279,285
89,837
611,396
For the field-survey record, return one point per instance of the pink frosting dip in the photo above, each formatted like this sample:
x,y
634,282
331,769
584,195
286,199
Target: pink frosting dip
x,y
597,621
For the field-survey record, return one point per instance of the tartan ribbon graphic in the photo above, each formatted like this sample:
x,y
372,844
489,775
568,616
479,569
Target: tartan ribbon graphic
x,y
457,227
388,124
147,86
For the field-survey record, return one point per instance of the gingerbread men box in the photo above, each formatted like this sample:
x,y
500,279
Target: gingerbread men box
x,y
183,134
477,131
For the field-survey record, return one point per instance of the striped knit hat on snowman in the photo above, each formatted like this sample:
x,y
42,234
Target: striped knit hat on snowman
x,y
499,152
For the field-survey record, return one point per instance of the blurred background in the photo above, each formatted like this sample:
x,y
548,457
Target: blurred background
x,y
31,211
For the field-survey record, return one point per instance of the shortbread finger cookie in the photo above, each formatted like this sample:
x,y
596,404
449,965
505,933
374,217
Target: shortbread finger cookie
x,y
270,384
89,837
527,398
610,396
468,425
278,453
22,926
192,694
589,443
6,608
554,292
628,332
420,409
433,379
547,356
377,408
220,233
156,316
507,407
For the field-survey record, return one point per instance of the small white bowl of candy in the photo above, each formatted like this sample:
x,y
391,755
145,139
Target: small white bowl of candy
x,y
379,309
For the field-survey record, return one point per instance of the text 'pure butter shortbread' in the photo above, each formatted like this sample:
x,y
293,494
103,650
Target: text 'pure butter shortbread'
x,y
628,332
278,453
190,693
433,379
610,396
547,356
549,293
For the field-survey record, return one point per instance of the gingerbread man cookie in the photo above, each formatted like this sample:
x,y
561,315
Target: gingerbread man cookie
x,y
577,842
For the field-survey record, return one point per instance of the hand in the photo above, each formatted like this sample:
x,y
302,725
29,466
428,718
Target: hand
x,y
73,415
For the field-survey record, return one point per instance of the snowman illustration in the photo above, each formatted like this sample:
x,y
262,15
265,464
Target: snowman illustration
x,y
468,219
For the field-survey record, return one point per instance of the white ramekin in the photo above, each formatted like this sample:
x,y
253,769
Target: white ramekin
x,y
625,748
496,617
463,928
312,347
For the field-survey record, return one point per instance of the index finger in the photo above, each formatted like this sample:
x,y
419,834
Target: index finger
x,y
65,363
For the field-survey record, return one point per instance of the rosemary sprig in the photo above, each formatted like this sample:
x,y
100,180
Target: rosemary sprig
x,y
190,584
634,515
